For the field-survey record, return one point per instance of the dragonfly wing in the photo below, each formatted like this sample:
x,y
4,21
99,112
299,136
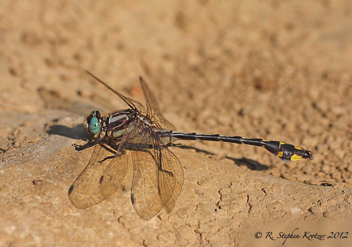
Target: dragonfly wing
x,y
85,191
154,188
112,179
153,109
130,102
170,177
144,193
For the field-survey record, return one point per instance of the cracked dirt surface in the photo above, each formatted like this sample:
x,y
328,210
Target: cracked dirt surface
x,y
266,69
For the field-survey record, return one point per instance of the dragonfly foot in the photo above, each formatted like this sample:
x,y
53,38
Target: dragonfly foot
x,y
77,147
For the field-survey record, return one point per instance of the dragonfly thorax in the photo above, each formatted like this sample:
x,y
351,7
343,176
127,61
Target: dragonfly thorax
x,y
113,125
118,121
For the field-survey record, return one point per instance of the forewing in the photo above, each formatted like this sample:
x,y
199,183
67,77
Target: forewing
x,y
130,102
111,182
153,110
85,191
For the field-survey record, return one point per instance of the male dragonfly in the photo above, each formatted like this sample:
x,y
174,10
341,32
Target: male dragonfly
x,y
139,138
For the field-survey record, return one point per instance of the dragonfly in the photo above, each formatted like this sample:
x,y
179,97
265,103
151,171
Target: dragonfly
x,y
138,138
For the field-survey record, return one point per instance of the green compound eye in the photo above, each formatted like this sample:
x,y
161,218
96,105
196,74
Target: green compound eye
x,y
94,127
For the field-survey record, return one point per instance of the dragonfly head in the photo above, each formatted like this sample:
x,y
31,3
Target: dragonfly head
x,y
92,123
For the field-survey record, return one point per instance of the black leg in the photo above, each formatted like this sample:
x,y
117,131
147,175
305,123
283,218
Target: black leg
x,y
87,145
117,153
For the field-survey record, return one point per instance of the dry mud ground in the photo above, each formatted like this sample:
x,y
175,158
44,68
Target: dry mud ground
x,y
269,69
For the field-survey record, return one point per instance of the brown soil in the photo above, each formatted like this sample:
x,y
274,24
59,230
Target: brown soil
x,y
267,69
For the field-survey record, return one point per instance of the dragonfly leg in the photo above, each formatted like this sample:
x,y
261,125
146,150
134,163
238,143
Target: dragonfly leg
x,y
87,145
158,162
114,146
160,168
168,172
117,154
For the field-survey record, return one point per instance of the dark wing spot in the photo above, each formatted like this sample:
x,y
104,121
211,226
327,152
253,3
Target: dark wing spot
x,y
37,182
101,179
123,188
132,199
70,190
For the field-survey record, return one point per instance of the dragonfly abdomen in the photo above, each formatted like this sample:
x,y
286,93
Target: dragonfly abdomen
x,y
284,151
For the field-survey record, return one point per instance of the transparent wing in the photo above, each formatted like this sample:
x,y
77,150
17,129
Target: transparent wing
x,y
86,190
144,192
170,176
152,187
113,180
153,110
130,102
